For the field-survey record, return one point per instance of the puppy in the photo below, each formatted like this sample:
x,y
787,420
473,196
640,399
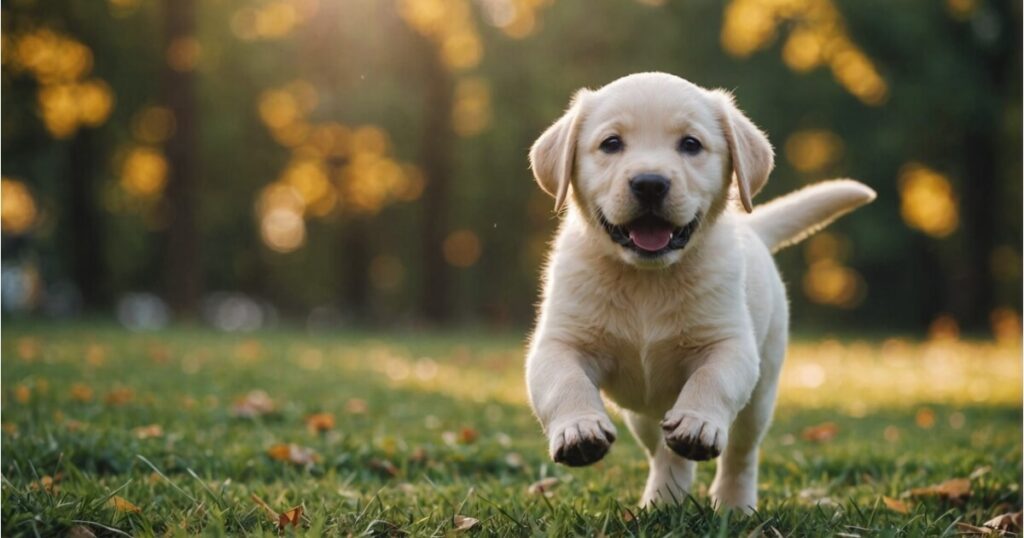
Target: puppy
x,y
659,291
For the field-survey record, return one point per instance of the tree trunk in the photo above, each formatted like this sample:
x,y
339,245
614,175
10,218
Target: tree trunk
x,y
87,244
436,160
182,265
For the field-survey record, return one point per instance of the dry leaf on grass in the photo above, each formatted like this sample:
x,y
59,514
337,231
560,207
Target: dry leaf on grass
x,y
80,531
119,396
320,422
1005,522
966,529
822,433
47,483
468,436
464,523
896,505
543,486
293,453
292,516
147,432
80,392
955,490
254,404
124,505
384,466
979,472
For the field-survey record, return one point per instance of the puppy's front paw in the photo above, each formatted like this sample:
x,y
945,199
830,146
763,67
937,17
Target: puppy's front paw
x,y
693,436
581,441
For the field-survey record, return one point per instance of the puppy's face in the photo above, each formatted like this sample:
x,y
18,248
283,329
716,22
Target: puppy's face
x,y
650,158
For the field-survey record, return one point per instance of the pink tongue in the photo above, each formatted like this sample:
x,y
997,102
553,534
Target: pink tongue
x,y
650,239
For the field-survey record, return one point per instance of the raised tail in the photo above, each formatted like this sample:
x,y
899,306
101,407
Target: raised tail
x,y
789,219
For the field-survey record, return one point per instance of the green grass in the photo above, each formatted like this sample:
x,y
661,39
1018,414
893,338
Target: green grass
x,y
908,415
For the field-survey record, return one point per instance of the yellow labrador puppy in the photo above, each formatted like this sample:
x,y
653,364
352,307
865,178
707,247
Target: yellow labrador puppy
x,y
659,292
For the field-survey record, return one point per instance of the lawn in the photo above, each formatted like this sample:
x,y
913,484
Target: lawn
x,y
189,431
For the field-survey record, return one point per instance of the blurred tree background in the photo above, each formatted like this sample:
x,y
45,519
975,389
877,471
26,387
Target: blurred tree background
x,y
363,162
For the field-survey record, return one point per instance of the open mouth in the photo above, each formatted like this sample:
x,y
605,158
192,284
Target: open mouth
x,y
650,235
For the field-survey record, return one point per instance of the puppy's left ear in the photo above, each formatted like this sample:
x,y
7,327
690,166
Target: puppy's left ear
x,y
553,155
750,152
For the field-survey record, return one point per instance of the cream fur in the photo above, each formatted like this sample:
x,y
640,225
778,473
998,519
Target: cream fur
x,y
688,345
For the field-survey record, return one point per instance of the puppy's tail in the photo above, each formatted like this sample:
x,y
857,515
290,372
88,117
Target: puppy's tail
x,y
789,219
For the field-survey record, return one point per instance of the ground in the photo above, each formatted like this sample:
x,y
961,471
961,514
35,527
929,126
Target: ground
x,y
168,434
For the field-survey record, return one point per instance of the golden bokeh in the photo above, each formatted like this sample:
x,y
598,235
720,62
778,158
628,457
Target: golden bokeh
x,y
272,20
153,124
17,207
309,179
462,248
518,18
144,172
471,112
184,53
283,230
961,10
830,283
818,37
927,200
449,24
67,101
812,150
1006,325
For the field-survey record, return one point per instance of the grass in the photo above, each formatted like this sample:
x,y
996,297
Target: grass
x,y
429,427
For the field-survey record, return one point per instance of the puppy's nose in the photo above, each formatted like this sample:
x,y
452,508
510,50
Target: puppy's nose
x,y
649,188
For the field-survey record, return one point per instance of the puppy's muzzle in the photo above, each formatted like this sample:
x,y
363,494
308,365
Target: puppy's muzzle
x,y
649,189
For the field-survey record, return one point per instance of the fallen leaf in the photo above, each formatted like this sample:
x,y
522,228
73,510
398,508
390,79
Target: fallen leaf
x,y
925,418
320,422
979,472
292,516
896,505
1005,522
95,355
80,531
22,393
468,435
80,392
254,404
955,490
822,433
356,406
47,483
124,505
464,523
28,349
119,396
543,486
148,432
293,453
384,466
966,529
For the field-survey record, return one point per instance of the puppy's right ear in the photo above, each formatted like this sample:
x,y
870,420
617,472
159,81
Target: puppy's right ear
x,y
553,155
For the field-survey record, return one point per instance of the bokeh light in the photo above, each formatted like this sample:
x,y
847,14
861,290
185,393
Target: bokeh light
x,y
17,207
462,248
927,200
449,24
144,172
817,37
812,150
471,113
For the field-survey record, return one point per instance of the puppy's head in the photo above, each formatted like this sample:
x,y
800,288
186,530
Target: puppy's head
x,y
650,159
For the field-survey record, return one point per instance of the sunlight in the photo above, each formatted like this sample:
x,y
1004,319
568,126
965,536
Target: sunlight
x,y
17,207
927,200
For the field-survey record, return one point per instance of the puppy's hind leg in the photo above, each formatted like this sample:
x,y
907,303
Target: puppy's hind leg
x,y
671,476
735,484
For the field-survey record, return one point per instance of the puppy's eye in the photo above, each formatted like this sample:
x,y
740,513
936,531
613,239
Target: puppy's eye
x,y
612,144
690,145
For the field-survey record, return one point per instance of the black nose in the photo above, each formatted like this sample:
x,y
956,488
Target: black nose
x,y
649,188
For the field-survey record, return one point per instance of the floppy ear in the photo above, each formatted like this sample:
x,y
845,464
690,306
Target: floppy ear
x,y
750,152
553,155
